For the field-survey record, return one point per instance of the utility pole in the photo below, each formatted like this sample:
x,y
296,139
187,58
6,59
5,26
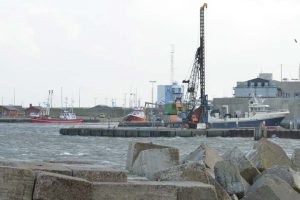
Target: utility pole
x,y
152,83
280,72
125,94
79,98
14,97
61,97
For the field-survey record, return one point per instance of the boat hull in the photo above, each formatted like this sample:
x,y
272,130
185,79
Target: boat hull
x,y
245,123
44,120
133,118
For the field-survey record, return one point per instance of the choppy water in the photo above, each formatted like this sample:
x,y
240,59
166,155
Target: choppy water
x,y
42,142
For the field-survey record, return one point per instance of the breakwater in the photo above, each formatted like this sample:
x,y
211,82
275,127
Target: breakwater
x,y
175,132
155,132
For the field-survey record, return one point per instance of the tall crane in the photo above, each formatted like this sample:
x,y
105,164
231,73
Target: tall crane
x,y
196,82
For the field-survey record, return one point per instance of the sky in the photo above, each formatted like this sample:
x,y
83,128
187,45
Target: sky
x,y
101,50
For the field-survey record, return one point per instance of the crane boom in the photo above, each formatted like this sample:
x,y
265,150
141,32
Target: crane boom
x,y
197,81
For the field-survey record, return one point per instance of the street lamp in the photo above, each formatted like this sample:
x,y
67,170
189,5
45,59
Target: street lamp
x,y
152,83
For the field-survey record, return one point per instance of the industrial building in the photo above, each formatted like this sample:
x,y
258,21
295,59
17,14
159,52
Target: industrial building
x,y
168,93
264,86
283,94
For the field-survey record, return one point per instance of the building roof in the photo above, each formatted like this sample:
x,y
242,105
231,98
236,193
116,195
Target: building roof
x,y
10,108
35,107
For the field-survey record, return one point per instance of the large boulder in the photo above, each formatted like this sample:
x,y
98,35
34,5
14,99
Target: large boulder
x,y
296,159
268,154
16,183
192,171
51,186
134,149
152,160
247,170
270,186
227,175
206,154
285,173
154,190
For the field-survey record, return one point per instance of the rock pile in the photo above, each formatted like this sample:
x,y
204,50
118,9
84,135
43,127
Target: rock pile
x,y
265,173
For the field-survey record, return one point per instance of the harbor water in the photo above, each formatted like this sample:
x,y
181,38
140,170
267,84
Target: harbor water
x,y
42,142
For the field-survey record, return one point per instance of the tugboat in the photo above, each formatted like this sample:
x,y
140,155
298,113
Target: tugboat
x,y
258,113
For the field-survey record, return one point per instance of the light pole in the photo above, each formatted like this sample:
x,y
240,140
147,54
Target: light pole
x,y
152,83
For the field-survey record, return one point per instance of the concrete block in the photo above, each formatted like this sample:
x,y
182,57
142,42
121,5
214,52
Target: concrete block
x,y
264,154
148,190
296,159
134,148
16,183
39,166
152,160
285,173
205,153
95,173
247,170
51,186
192,171
270,186
227,175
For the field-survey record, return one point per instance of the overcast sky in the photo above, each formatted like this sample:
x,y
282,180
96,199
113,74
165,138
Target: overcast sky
x,y
108,48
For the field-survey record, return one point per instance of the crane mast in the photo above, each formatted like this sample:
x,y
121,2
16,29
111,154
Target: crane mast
x,y
197,81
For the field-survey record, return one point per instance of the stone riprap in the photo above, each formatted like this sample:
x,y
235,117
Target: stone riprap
x,y
270,186
153,160
285,173
191,171
268,154
205,153
227,175
153,190
247,169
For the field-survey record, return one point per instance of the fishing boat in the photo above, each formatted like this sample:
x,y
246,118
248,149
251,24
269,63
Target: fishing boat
x,y
137,115
258,114
66,116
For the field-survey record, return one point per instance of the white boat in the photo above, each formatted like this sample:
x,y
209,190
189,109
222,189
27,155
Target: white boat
x,y
137,115
258,113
